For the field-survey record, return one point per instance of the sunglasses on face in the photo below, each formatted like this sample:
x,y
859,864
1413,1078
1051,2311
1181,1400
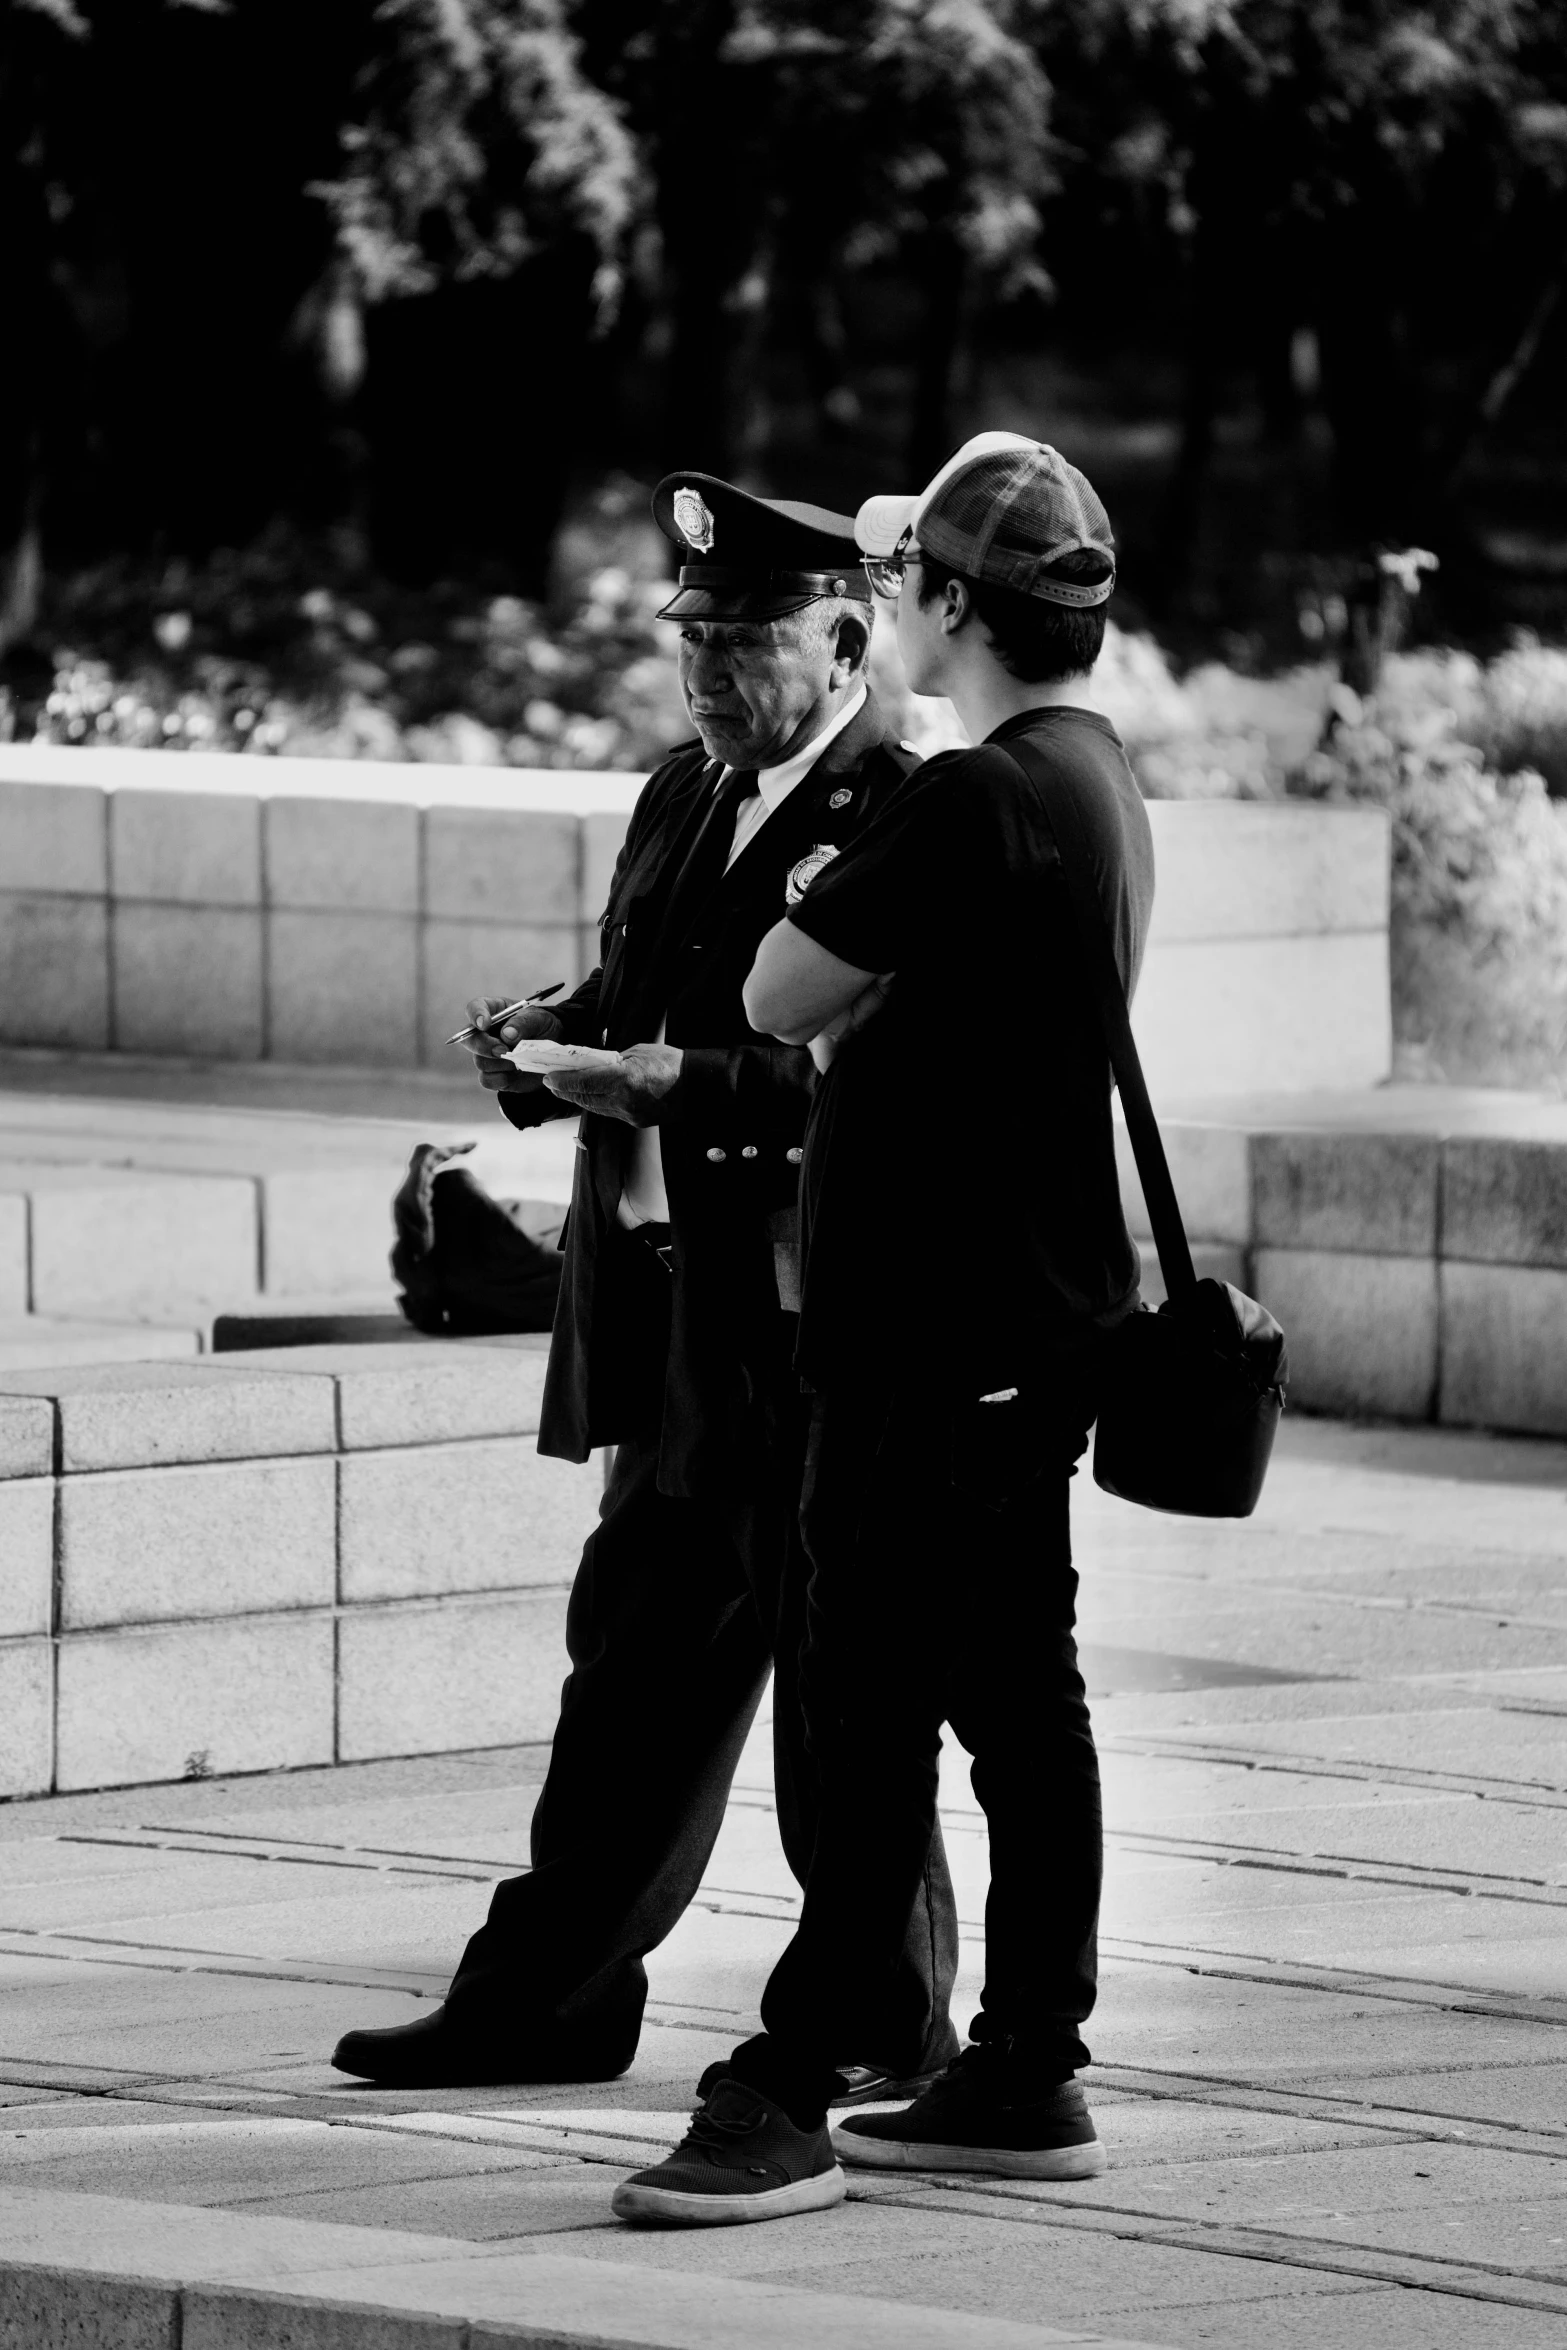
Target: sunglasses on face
x,y
887,573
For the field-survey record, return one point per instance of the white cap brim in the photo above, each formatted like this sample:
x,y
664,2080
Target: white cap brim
x,y
881,522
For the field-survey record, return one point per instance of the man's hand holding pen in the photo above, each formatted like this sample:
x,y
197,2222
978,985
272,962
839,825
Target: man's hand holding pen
x,y
495,1024
633,1091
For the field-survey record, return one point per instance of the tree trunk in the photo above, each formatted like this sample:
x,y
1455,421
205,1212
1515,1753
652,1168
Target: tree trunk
x,y
1181,510
21,586
941,333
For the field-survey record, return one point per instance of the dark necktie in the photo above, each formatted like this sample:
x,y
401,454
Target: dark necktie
x,y
703,869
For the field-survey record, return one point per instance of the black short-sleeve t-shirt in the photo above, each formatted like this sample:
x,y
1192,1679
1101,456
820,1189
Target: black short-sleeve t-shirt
x,y
960,1207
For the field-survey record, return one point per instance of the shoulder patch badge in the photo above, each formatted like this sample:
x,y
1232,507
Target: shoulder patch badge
x,y
806,871
694,521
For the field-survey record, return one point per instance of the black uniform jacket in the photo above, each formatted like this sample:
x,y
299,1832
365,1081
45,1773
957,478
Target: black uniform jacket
x,y
731,1131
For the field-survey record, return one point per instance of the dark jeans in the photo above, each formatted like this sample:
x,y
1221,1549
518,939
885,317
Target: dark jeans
x,y
677,1614
942,1590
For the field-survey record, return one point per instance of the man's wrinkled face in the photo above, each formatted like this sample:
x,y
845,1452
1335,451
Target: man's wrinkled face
x,y
756,694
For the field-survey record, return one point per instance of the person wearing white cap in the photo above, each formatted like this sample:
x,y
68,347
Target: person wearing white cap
x,y
674,1337
955,1380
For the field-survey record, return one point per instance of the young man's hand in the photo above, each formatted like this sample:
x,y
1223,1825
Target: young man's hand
x,y
496,1074
866,1005
635,1092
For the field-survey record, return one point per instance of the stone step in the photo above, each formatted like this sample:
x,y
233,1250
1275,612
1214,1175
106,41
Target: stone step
x,y
357,1317
43,1341
98,2269
265,1559
111,1244
165,1212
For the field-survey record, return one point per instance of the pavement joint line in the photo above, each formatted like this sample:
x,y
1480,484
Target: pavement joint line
x,y
1405,2125
1220,1965
1225,2240
1401,2124
175,1953
1374,1603
1414,1876
1395,2121
303,1857
1304,1975
285,1845
1162,1747
146,1957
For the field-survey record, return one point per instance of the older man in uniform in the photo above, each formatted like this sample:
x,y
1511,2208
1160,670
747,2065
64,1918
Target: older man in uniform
x,y
674,1340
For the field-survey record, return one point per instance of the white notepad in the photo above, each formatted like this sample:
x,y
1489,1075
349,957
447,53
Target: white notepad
x,y
538,1056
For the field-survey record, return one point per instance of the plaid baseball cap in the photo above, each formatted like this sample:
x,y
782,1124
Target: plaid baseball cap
x,y
1002,508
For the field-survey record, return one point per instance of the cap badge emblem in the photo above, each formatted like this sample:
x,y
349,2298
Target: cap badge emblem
x,y
694,521
806,871
840,799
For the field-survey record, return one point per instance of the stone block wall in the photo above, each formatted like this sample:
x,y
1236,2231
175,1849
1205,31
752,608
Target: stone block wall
x,y
292,910
266,1560
338,911
1267,962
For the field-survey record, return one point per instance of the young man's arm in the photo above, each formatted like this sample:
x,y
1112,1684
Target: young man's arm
x,y
797,988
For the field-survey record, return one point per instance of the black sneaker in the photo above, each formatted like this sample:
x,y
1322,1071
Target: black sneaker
x,y
742,2159
980,2117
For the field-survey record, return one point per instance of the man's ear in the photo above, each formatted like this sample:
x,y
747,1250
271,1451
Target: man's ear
x,y
956,606
853,647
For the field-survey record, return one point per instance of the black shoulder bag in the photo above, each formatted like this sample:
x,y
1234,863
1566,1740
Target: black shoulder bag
x,y
1194,1392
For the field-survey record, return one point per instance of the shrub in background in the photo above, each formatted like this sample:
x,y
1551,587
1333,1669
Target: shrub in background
x,y
281,651
1479,929
1464,754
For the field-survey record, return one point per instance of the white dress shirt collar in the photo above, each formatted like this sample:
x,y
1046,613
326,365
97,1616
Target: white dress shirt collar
x,y
776,783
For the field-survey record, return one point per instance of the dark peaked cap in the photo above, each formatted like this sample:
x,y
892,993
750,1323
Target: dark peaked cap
x,y
750,558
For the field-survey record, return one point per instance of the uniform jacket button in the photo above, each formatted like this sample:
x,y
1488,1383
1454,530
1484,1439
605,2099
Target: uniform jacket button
x,y
749,1152
717,1156
794,1156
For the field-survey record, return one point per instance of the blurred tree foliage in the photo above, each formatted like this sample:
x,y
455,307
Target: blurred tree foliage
x,y
1363,204
405,270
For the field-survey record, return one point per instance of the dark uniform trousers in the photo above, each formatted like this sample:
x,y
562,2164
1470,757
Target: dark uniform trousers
x,y
679,1610
693,1581
920,1510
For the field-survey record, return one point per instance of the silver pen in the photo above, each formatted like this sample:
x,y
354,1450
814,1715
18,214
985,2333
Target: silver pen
x,y
496,1018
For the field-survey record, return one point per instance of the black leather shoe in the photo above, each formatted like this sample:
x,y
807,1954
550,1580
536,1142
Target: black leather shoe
x,y
435,2052
873,2084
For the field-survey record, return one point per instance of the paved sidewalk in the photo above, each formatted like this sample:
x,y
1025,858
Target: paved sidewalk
x,y
1332,2037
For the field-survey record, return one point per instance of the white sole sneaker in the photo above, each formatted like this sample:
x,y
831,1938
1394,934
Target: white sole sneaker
x,y
997,2162
634,2200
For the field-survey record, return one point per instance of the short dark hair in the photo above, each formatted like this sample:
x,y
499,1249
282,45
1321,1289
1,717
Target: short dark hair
x,y
1035,641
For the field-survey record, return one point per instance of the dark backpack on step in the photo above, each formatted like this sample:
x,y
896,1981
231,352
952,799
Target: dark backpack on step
x,y
467,1265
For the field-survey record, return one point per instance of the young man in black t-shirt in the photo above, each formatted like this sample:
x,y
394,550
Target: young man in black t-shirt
x,y
965,1259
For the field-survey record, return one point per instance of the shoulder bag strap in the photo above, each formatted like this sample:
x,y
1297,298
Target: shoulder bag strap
x,y
1060,811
